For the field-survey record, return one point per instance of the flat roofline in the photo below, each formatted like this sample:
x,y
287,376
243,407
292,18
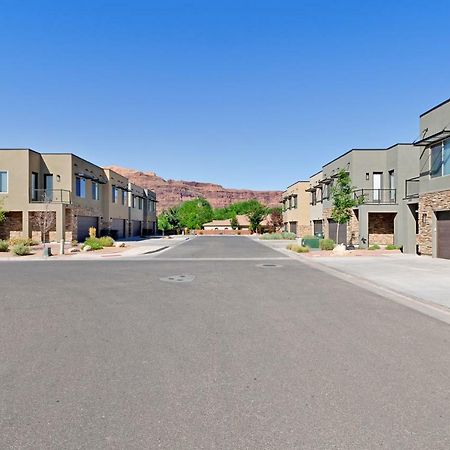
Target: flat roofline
x,y
353,150
22,149
314,174
435,107
293,184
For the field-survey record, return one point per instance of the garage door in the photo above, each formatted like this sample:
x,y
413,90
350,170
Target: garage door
x,y
332,229
119,226
83,225
136,228
443,234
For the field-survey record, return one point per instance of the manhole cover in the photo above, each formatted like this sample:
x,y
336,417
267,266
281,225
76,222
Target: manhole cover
x,y
269,266
178,278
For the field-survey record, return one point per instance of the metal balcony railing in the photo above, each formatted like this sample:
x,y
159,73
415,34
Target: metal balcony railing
x,y
376,196
412,187
50,196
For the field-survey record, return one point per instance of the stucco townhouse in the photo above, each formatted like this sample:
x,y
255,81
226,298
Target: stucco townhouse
x,y
78,193
295,204
386,215
432,185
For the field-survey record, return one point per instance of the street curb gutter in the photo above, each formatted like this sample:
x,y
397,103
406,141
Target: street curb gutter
x,y
430,309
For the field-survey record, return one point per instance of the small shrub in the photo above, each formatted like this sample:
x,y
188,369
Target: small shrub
x,y
21,249
24,241
74,242
106,241
285,235
4,246
298,248
392,247
94,243
374,247
327,244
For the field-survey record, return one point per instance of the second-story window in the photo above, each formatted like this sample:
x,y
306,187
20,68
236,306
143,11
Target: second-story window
x,y
114,194
80,187
124,197
34,186
140,203
295,201
133,201
95,191
440,159
3,181
313,198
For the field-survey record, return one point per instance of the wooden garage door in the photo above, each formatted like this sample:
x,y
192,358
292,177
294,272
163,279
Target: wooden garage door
x,y
83,225
332,229
443,234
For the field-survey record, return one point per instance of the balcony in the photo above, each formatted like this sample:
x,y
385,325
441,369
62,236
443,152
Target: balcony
x,y
50,196
376,196
412,188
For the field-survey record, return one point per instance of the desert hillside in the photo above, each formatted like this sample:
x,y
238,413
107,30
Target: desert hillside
x,y
173,192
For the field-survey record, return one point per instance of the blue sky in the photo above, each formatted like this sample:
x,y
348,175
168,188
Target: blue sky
x,y
254,94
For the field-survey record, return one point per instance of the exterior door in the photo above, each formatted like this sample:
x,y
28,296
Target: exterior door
x,y
443,234
119,226
377,179
136,228
332,230
48,186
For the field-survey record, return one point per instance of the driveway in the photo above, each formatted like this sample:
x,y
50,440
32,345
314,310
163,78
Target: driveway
x,y
243,354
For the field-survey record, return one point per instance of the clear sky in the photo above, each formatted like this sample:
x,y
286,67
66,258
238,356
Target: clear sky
x,y
254,94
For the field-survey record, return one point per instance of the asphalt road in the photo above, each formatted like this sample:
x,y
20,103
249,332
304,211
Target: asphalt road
x,y
105,355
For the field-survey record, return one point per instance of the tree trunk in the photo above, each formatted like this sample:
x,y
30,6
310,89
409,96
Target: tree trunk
x,y
337,233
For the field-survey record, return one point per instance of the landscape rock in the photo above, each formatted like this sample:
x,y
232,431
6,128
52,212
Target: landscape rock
x,y
87,248
339,249
74,250
119,244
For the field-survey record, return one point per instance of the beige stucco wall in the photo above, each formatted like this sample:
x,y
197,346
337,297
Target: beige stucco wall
x,y
300,214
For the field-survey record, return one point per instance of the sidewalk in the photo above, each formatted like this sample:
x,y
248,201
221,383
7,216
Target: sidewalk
x,y
419,277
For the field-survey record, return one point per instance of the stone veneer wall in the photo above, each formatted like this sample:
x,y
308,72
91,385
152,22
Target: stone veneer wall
x,y
381,228
428,204
12,226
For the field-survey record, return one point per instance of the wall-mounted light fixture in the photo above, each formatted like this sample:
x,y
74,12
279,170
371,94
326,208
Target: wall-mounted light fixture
x,y
58,178
367,176
424,218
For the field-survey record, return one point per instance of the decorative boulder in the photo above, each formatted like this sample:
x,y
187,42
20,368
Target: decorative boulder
x,y
339,249
86,248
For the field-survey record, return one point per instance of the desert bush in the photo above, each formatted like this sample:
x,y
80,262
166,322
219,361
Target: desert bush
x,y
24,241
374,247
21,249
327,244
278,236
94,243
4,246
106,241
392,247
92,232
298,248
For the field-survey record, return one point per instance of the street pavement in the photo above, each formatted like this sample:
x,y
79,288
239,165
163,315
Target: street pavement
x,y
253,351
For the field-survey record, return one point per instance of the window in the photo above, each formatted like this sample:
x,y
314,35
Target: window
x,y
376,183
80,185
313,198
48,186
124,197
140,202
34,186
392,185
95,191
3,181
440,159
114,194
133,201
295,201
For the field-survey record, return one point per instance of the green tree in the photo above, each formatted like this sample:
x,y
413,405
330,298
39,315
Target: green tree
x,y
194,213
234,223
237,208
163,222
343,200
256,216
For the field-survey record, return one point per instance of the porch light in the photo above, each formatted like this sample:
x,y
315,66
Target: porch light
x,y
424,218
367,176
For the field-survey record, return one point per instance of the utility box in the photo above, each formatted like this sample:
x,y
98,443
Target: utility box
x,y
311,242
